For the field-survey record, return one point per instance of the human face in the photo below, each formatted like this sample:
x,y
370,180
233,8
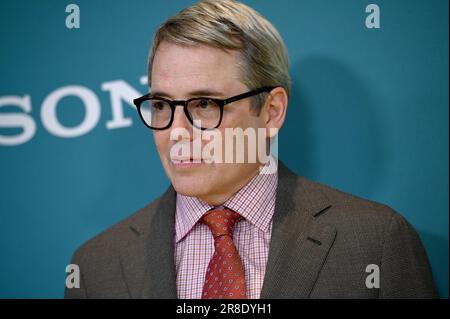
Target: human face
x,y
182,72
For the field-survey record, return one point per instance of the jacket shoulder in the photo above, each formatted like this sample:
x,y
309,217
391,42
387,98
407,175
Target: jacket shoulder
x,y
350,208
118,235
370,233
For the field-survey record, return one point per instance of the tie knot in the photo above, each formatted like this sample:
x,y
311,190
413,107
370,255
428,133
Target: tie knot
x,y
221,221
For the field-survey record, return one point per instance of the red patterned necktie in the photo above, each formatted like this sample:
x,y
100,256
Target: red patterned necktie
x,y
225,276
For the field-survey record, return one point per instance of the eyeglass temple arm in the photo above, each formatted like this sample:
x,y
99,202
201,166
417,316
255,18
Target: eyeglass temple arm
x,y
248,94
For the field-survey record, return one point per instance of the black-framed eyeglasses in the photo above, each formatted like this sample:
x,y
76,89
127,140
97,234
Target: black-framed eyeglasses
x,y
157,113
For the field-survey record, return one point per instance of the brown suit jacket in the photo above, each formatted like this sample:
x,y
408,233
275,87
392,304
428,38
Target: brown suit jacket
x,y
322,241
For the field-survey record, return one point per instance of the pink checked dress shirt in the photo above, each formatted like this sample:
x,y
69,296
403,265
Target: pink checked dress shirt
x,y
194,243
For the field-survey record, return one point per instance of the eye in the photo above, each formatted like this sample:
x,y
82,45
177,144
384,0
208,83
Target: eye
x,y
203,107
203,104
158,105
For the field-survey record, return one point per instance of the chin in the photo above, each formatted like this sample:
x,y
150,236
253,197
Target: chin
x,y
190,186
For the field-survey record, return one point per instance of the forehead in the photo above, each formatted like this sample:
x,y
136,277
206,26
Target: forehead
x,y
180,69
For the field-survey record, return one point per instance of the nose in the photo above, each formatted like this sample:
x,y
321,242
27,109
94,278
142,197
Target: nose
x,y
180,121
179,118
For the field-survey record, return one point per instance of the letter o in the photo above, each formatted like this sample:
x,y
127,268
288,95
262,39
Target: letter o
x,y
91,105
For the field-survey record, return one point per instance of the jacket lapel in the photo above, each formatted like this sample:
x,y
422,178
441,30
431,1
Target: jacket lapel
x,y
298,247
148,262
299,243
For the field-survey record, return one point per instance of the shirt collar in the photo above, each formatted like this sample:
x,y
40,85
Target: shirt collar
x,y
255,201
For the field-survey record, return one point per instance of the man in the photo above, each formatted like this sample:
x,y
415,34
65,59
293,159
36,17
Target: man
x,y
237,229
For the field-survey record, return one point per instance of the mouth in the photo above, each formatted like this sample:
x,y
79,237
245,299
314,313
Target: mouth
x,y
186,162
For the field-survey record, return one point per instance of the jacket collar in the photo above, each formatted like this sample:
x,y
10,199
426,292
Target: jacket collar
x,y
298,247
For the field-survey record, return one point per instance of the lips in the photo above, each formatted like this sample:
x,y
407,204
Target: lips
x,y
186,160
186,164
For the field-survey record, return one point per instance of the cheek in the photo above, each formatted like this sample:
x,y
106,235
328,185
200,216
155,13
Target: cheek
x,y
161,140
244,117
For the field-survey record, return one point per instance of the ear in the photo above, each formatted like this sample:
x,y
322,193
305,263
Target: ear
x,y
275,111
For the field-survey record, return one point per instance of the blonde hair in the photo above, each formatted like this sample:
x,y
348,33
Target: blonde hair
x,y
228,24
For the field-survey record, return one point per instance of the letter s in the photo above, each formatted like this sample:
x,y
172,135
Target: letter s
x,y
13,120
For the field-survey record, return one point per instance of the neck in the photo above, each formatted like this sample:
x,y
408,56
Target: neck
x,y
218,199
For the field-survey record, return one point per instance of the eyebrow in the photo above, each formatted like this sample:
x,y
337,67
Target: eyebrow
x,y
196,93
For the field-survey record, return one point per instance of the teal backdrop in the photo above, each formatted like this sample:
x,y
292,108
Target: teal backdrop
x,y
368,115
